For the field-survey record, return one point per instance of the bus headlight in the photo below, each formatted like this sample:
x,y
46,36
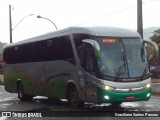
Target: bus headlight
x,y
148,85
108,87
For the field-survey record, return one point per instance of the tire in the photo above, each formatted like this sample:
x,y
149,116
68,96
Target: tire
x,y
21,95
73,98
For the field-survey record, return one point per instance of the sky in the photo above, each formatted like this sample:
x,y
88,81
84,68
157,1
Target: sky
x,y
67,13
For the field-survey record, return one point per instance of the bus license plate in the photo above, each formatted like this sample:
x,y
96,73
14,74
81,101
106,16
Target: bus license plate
x,y
130,97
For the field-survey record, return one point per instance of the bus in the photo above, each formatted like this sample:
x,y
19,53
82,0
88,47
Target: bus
x,y
81,64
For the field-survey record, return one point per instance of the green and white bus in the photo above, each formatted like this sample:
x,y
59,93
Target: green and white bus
x,y
81,64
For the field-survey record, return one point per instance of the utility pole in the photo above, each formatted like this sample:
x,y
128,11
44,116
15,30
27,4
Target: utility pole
x,y
139,18
10,24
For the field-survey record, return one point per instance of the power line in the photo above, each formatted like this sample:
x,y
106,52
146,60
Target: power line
x,y
150,1
96,19
108,15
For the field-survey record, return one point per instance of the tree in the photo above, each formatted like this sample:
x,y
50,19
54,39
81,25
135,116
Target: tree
x,y
156,36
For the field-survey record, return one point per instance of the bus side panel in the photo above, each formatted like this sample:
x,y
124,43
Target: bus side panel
x,y
56,87
12,75
10,81
56,81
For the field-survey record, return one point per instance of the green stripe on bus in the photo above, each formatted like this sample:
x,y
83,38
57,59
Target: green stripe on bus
x,y
97,53
57,88
12,78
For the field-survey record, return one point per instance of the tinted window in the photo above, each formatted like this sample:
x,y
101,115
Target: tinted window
x,y
59,48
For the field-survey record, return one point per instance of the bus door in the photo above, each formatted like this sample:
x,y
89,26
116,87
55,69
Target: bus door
x,y
88,62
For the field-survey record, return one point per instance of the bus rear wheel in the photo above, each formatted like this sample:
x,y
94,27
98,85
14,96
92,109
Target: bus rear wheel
x,y
21,95
73,98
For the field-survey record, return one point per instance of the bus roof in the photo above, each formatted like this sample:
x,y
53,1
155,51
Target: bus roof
x,y
105,31
98,31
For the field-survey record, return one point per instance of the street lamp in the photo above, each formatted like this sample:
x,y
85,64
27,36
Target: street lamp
x,y
21,21
38,16
10,22
11,29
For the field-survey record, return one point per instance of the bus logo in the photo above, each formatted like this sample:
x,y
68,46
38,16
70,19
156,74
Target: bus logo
x,y
130,90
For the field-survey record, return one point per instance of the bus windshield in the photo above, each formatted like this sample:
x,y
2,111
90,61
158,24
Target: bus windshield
x,y
122,57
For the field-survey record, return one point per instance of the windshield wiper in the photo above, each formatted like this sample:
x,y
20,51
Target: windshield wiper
x,y
122,67
120,71
124,60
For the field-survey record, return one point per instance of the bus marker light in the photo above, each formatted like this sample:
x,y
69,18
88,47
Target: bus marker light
x,y
106,97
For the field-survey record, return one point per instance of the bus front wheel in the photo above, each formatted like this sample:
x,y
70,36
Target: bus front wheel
x,y
21,95
73,98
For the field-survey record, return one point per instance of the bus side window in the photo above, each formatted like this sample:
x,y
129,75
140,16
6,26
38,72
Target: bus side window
x,y
9,55
65,49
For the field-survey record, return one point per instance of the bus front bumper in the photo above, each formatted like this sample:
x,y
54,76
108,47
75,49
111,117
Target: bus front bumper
x,y
105,96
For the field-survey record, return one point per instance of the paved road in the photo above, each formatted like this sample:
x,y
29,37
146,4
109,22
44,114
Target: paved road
x,y
9,102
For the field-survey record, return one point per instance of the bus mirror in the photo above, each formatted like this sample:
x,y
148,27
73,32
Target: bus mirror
x,y
93,43
151,48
